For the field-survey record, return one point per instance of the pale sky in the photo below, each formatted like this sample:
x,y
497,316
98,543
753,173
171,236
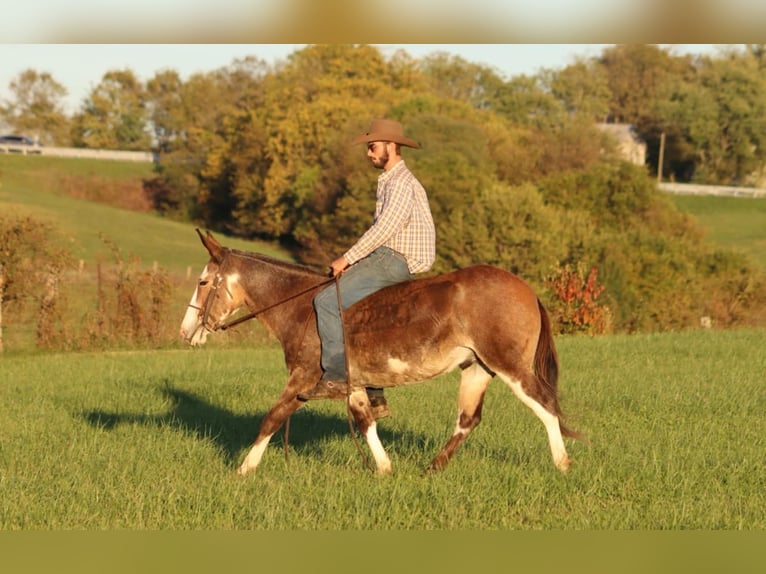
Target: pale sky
x,y
80,67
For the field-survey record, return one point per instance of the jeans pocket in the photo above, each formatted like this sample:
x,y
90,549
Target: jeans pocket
x,y
395,266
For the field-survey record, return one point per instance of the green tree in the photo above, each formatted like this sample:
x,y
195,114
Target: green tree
x,y
36,108
526,101
114,116
288,154
641,78
582,87
637,76
165,105
455,78
195,126
722,117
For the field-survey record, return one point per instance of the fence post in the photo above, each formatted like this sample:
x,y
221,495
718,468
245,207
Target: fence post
x,y
47,308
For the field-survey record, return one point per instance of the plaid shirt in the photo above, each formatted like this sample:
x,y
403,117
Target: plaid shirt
x,y
403,221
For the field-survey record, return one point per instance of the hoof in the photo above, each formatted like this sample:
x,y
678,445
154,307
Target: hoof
x,y
564,464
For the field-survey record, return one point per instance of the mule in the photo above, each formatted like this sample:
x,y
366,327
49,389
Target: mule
x,y
482,320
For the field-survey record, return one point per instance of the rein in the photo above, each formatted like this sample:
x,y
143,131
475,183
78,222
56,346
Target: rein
x,y
253,314
349,415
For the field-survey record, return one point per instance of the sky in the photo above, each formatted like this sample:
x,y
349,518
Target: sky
x,y
80,67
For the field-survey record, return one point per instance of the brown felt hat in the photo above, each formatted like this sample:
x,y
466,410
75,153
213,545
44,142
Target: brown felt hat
x,y
386,131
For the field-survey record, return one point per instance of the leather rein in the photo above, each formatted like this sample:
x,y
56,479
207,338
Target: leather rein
x,y
205,309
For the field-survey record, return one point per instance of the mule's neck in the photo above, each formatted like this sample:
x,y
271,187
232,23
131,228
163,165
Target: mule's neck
x,y
279,292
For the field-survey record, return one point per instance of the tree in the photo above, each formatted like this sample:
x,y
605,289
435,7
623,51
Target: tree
x,y
722,117
637,76
164,103
582,87
285,155
196,124
455,78
36,109
526,101
641,79
115,115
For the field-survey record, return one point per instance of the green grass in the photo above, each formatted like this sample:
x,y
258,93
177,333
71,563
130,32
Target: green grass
x,y
33,186
736,223
151,440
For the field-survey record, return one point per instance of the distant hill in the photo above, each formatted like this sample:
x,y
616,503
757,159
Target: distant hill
x,y
79,196
737,223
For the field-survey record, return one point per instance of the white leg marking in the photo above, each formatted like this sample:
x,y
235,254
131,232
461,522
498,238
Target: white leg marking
x,y
253,458
378,453
551,422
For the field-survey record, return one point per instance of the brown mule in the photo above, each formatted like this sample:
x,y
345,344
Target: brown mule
x,y
485,321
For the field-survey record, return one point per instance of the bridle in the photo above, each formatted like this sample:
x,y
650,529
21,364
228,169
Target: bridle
x,y
219,276
205,308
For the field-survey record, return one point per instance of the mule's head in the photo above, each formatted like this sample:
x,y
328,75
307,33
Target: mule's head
x,y
216,297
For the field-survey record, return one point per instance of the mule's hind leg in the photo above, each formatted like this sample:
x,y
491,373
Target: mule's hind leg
x,y
473,385
551,421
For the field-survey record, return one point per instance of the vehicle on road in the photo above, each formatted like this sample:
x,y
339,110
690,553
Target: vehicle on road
x,y
19,144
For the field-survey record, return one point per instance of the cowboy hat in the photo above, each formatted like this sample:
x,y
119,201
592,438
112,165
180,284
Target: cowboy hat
x,y
386,131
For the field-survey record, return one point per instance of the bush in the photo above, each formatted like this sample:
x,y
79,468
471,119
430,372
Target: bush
x,y
37,282
575,308
32,262
658,273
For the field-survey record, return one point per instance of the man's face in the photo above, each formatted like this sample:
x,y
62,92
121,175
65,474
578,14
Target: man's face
x,y
378,154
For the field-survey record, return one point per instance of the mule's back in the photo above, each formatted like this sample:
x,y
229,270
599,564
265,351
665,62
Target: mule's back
x,y
422,328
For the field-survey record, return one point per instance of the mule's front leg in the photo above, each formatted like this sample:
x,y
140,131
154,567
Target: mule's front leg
x,y
275,418
359,404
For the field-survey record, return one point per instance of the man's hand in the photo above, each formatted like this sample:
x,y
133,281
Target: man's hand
x,y
338,266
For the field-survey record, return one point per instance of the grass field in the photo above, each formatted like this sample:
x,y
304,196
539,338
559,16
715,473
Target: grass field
x,y
35,185
737,223
151,440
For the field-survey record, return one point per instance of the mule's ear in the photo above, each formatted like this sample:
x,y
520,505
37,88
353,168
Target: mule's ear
x,y
213,247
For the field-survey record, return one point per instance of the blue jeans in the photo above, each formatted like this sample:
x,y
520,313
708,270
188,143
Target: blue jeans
x,y
381,268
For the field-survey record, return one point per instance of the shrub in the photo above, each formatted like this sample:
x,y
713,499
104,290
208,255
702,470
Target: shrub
x,y
32,262
576,308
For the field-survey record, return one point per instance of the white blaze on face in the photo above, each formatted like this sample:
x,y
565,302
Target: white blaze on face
x,y
191,325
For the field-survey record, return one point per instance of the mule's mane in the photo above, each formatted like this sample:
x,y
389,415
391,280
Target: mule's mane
x,y
279,263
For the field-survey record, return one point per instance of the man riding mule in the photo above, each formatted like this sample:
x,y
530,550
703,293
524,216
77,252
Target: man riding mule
x,y
482,320
400,243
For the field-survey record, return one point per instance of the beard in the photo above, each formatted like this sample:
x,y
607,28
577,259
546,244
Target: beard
x,y
380,161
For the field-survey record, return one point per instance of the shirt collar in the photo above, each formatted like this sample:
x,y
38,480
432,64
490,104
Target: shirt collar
x,y
386,175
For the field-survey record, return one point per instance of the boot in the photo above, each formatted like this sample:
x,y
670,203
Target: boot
x,y
326,389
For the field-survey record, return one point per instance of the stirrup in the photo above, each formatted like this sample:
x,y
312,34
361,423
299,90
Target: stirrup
x,y
326,389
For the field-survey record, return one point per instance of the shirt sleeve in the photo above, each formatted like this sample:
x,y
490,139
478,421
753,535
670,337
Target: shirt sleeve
x,y
396,207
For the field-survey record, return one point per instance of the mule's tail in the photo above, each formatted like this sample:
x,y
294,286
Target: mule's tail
x,y
547,369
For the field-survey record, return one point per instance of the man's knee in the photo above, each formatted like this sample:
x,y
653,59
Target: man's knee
x,y
327,302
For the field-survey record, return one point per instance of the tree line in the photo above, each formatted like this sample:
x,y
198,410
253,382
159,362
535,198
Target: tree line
x,y
712,109
517,172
